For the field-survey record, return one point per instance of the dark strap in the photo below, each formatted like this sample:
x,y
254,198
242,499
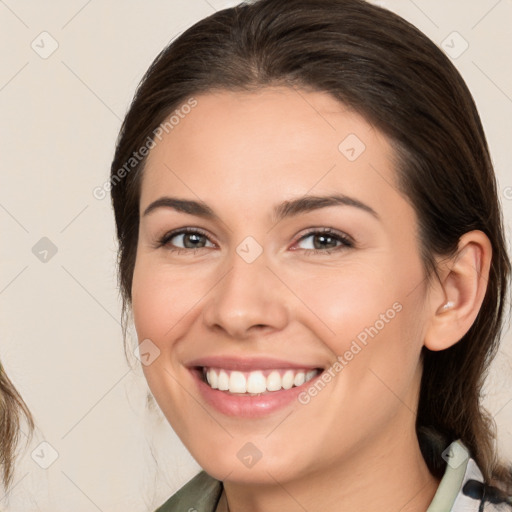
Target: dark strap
x,y
485,493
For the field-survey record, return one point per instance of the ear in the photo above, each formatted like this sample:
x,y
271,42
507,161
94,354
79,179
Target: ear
x,y
455,301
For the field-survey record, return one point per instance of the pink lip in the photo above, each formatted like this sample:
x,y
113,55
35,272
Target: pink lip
x,y
246,406
247,364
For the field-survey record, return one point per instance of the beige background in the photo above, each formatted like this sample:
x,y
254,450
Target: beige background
x,y
61,339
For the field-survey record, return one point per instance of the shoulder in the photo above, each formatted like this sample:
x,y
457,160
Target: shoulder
x,y
200,494
501,507
463,489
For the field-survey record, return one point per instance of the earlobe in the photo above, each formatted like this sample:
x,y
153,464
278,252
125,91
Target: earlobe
x,y
446,307
463,284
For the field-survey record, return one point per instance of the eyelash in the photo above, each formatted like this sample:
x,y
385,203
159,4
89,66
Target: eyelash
x,y
347,242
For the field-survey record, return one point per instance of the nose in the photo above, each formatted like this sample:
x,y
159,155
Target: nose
x,y
249,299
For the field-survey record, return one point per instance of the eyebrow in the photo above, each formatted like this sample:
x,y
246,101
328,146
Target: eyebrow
x,y
281,211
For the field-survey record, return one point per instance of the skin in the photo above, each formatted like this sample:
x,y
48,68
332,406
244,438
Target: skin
x,y
353,446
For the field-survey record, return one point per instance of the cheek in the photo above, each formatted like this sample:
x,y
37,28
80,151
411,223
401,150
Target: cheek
x,y
160,300
347,300
369,314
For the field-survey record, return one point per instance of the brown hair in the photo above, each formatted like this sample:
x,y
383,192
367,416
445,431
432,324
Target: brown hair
x,y
394,76
12,409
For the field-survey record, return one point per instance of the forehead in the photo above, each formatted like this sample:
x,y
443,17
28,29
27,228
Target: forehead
x,y
262,147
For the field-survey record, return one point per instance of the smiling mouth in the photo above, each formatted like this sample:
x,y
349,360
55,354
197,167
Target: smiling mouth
x,y
257,382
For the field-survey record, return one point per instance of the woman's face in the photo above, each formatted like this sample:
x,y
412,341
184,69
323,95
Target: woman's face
x,y
256,295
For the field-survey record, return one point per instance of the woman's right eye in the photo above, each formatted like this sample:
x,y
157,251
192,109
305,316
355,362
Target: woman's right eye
x,y
190,238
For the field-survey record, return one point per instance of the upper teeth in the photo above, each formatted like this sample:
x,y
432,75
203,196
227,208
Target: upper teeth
x,y
257,381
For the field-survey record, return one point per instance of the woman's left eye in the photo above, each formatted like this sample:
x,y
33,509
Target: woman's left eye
x,y
323,241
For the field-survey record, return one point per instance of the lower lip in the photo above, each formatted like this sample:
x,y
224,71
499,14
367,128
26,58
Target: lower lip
x,y
248,406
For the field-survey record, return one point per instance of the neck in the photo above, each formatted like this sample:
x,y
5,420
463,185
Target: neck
x,y
388,474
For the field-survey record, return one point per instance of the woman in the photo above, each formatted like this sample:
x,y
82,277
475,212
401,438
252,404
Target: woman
x,y
12,410
312,247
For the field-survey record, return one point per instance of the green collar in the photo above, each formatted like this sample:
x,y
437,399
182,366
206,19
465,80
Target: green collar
x,y
201,494
451,483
